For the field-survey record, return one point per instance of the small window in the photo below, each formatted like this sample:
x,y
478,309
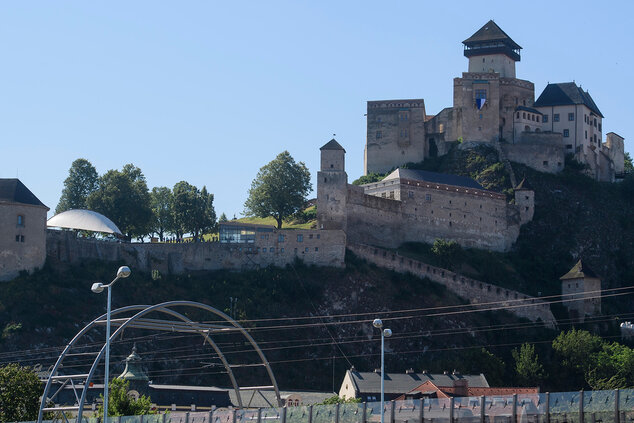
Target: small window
x,y
17,238
595,122
523,115
379,135
21,238
282,250
280,238
410,194
318,236
403,133
571,117
310,236
586,134
545,163
566,133
518,115
427,197
537,117
306,249
383,195
569,146
480,116
556,117
599,127
20,220
316,248
545,119
300,238
392,195
295,250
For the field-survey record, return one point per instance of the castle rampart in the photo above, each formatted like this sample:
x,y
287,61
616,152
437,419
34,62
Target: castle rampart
x,y
277,248
477,292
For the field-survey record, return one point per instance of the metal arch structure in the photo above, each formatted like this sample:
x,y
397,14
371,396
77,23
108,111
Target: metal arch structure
x,y
182,324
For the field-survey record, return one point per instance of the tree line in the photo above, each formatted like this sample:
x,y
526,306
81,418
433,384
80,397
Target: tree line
x,y
279,190
123,196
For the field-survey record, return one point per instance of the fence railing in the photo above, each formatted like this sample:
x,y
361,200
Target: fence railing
x,y
615,406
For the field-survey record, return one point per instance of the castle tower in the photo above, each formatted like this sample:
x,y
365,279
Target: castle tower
x,y
490,50
616,150
525,200
487,96
332,187
581,291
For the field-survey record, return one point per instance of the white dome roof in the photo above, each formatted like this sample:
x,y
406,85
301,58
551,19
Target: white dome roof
x,y
86,220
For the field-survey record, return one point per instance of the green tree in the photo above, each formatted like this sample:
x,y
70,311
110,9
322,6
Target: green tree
x,y
611,368
446,252
629,167
121,403
279,189
336,399
369,178
123,196
528,369
575,348
161,202
20,391
82,180
193,210
223,217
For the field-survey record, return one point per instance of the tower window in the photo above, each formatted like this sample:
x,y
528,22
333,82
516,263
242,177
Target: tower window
x,y
556,117
571,117
586,133
566,133
379,134
545,119
20,220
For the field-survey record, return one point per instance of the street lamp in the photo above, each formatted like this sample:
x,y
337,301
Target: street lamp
x,y
385,333
98,287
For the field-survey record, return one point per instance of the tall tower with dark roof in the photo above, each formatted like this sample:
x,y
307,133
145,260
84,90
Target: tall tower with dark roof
x,y
491,50
332,187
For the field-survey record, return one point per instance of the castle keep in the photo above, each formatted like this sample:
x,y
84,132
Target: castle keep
x,y
491,105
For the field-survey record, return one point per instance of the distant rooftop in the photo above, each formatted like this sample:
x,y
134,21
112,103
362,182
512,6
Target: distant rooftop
x,y
332,145
439,178
14,191
578,271
566,93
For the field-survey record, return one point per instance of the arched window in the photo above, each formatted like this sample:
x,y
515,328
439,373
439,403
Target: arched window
x,y
527,128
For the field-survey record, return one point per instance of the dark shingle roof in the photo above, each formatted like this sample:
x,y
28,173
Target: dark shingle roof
x,y
400,383
579,270
565,93
439,178
490,32
14,191
332,145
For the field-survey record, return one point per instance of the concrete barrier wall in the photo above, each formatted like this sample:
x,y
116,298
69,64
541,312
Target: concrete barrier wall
x,y
475,291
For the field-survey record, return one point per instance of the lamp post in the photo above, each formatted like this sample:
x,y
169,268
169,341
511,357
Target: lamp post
x,y
123,272
385,333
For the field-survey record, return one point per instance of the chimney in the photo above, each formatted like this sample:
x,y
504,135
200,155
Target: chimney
x,y
409,371
461,387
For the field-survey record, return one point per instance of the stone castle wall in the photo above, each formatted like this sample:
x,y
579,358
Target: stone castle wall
x,y
389,213
477,292
279,248
538,150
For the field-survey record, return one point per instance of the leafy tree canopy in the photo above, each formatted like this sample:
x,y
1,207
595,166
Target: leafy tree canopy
x,y
161,200
336,399
82,180
20,391
279,189
120,403
192,210
629,167
124,198
528,369
369,178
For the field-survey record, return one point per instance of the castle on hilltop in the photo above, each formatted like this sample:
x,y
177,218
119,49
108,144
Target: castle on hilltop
x,y
491,105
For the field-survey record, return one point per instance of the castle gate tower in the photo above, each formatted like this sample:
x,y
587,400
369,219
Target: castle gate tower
x,y
332,187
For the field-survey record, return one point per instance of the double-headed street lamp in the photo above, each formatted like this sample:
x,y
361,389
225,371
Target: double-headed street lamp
x,y
123,272
385,333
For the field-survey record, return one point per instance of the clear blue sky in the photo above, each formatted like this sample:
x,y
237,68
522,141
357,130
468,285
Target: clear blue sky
x,y
208,92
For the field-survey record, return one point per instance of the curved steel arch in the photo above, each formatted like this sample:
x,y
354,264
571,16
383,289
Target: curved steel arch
x,y
142,310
